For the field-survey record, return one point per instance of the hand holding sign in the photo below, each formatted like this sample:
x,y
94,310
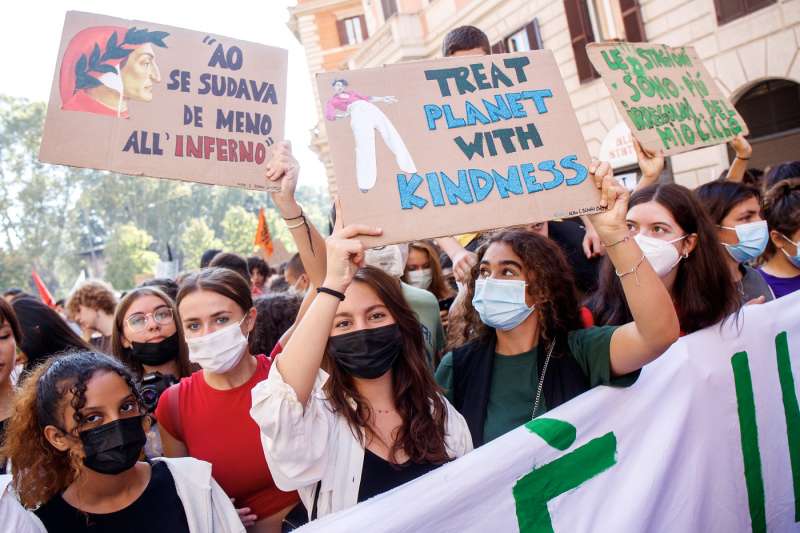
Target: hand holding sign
x,y
345,253
610,223
284,170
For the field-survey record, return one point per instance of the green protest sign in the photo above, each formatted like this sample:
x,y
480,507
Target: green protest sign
x,y
666,96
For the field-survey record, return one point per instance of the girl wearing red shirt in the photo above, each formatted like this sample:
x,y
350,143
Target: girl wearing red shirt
x,y
206,415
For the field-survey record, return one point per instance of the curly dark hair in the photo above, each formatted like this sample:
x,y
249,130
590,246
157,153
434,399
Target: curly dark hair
x,y
550,284
417,396
276,312
39,470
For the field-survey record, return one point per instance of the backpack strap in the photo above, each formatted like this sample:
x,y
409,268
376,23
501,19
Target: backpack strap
x,y
317,490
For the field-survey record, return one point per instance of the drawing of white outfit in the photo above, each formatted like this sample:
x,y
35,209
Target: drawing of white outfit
x,y
365,118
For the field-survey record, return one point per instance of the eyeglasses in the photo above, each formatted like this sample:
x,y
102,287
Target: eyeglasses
x,y
161,316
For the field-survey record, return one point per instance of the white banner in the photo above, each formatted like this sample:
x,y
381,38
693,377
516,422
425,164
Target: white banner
x,y
707,440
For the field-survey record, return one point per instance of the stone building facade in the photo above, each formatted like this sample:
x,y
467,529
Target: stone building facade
x,y
751,47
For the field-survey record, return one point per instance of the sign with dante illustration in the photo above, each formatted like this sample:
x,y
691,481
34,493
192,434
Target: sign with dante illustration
x,y
433,148
146,99
666,96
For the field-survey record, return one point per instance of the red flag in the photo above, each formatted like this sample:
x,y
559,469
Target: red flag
x,y
44,294
263,238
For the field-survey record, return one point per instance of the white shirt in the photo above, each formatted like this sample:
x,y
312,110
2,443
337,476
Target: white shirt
x,y
303,447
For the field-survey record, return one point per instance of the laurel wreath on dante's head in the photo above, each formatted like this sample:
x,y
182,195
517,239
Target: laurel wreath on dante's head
x,y
97,63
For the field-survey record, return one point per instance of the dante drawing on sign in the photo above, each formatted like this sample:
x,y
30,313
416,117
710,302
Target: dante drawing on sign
x,y
365,118
104,66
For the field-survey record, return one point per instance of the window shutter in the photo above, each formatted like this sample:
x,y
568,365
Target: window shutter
x,y
580,30
363,22
632,21
728,10
499,47
340,27
534,35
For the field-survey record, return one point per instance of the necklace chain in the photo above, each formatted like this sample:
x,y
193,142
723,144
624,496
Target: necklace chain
x,y
541,378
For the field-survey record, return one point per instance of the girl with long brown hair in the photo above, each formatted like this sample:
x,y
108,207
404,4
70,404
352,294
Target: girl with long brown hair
x,y
528,351
373,418
681,244
146,339
424,271
206,415
74,442
10,336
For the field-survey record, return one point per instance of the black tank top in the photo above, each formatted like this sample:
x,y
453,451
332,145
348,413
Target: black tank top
x,y
379,475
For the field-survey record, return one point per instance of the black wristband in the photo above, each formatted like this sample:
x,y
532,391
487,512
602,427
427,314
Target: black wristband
x,y
332,292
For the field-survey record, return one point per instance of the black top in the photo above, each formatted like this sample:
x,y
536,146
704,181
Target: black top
x,y
379,475
157,510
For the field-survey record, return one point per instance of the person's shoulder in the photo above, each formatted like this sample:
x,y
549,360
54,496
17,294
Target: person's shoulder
x,y
446,362
418,296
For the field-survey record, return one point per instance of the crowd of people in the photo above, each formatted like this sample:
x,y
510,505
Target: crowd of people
x,y
248,396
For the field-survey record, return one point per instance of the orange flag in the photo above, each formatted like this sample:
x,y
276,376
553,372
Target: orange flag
x,y
44,294
263,238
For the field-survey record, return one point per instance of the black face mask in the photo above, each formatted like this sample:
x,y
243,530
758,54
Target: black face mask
x,y
154,353
368,353
114,447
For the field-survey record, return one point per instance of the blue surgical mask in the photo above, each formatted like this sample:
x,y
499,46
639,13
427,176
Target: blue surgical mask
x,y
753,238
501,303
793,259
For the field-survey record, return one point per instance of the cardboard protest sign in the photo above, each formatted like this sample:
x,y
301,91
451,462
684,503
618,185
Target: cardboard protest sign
x,y
442,147
666,95
146,99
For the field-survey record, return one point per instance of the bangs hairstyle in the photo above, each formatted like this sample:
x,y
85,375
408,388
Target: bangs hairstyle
x,y
549,283
39,470
119,351
704,292
9,318
720,197
417,396
782,210
222,281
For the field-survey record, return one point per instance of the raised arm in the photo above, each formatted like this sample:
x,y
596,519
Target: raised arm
x,y
463,260
301,358
739,165
655,324
283,168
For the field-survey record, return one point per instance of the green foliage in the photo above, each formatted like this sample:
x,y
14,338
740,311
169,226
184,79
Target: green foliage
x,y
52,216
128,256
197,238
238,230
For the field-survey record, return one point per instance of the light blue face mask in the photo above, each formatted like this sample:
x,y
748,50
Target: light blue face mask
x,y
753,238
501,303
793,259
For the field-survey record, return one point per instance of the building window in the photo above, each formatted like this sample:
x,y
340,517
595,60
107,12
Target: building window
x,y
389,8
603,20
523,40
728,10
770,107
352,30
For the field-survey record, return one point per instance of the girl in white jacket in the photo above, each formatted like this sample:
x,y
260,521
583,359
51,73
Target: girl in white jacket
x,y
74,442
374,418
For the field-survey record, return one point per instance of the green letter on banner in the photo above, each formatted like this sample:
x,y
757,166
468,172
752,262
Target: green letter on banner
x,y
535,489
792,412
749,433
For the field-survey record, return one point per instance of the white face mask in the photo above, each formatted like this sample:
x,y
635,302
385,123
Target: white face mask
x,y
389,258
219,351
662,255
420,279
16,373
